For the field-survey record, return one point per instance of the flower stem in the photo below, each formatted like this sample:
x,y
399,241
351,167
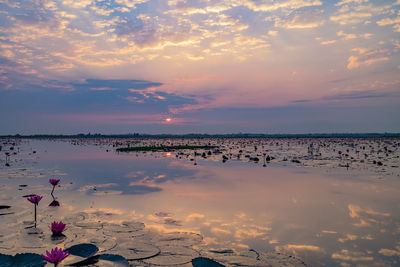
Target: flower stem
x,y
52,191
35,215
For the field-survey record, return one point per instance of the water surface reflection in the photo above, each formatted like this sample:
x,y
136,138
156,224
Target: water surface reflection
x,y
323,216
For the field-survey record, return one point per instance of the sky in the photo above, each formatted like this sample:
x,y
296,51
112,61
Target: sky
x,y
201,66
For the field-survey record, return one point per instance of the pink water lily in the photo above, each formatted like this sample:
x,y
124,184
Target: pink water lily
x,y
35,200
54,182
57,227
55,256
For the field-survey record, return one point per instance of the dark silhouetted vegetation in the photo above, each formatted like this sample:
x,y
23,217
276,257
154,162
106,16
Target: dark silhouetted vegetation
x,y
161,148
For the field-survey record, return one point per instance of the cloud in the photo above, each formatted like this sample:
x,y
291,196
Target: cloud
x,y
358,11
220,231
328,42
353,256
101,85
183,7
195,217
299,250
143,189
367,57
349,36
351,17
366,216
270,7
273,33
359,95
345,2
388,21
77,4
248,49
390,252
130,3
301,20
356,211
391,21
301,101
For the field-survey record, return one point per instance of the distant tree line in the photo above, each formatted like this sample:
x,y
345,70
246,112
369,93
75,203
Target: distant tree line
x,y
195,135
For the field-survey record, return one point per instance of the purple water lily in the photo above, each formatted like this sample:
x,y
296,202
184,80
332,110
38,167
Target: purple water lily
x,y
35,200
55,256
57,227
54,182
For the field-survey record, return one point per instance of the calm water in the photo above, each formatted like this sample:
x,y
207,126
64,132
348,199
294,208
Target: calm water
x,y
324,216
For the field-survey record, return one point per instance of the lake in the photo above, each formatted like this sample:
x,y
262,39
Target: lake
x,y
316,202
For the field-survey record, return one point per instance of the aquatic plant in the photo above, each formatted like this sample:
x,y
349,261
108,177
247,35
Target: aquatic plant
x,y
162,148
57,227
35,200
7,158
264,154
54,203
54,183
55,256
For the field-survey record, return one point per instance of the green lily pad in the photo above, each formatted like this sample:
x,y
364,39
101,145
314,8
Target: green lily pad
x,y
83,250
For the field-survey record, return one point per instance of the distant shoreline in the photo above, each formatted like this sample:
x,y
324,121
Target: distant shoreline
x,y
238,135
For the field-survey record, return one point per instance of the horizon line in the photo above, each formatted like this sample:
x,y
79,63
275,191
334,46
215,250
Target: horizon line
x,y
240,134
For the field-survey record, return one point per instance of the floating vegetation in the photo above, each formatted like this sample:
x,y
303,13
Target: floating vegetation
x,y
173,255
162,148
205,262
83,250
22,260
135,250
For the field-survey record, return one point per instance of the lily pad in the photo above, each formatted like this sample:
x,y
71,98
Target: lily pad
x,y
125,227
89,261
117,259
179,239
102,260
280,259
96,238
134,250
89,225
83,250
205,262
173,255
27,260
233,258
6,260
